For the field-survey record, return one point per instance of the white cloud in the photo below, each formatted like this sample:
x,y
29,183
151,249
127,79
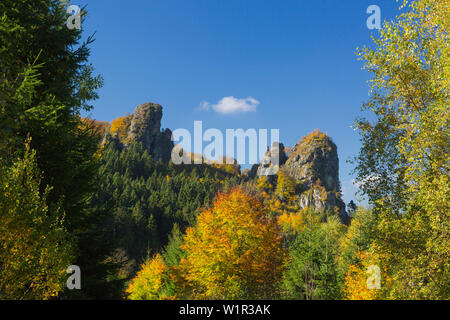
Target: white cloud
x,y
228,105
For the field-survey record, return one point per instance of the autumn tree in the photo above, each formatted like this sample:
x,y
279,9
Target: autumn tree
x,y
234,251
35,247
151,281
264,186
359,236
293,222
358,259
285,189
160,277
120,127
357,278
403,164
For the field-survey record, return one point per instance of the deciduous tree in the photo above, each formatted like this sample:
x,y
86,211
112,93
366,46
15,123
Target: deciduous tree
x,y
403,165
35,249
234,251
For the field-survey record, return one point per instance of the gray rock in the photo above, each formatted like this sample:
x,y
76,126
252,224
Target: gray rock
x,y
272,161
145,128
314,164
315,159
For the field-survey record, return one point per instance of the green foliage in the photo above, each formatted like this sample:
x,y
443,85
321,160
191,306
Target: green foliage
x,y
313,272
147,199
173,252
46,81
359,236
403,164
35,247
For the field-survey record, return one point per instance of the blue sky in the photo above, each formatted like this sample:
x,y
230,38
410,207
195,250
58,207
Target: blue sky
x,y
296,58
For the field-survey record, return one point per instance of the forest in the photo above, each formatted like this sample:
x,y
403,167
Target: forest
x,y
77,191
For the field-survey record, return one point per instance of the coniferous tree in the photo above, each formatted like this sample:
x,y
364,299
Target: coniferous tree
x,y
46,81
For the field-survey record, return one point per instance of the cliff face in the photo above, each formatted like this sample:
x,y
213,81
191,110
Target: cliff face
x,y
314,165
267,167
144,126
315,158
146,123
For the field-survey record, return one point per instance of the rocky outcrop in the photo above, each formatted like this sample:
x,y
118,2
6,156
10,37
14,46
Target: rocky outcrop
x,y
272,161
314,165
321,201
145,128
315,158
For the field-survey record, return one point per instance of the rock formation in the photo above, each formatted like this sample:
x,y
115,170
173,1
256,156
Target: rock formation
x,y
314,165
144,126
272,161
315,158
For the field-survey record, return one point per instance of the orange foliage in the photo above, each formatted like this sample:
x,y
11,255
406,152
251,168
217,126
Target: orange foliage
x,y
356,280
234,251
120,126
315,135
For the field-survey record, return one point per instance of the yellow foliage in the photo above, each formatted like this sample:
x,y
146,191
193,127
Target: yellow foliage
x,y
263,184
292,222
120,127
35,249
234,251
149,280
285,189
226,166
356,280
315,135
